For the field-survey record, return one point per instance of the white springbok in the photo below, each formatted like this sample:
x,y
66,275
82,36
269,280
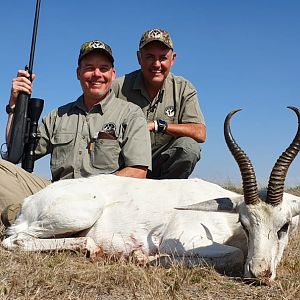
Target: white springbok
x,y
186,220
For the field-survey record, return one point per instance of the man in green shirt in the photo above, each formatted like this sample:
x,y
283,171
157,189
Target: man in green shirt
x,y
96,134
170,104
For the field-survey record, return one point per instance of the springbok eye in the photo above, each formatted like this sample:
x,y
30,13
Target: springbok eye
x,y
283,230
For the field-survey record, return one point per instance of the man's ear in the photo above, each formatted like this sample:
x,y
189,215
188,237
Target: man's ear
x,y
138,55
173,58
114,73
78,73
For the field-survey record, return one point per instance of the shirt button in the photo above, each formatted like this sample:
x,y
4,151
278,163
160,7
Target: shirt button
x,y
80,152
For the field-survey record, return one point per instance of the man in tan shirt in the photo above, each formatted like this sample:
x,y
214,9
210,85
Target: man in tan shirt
x,y
170,104
96,134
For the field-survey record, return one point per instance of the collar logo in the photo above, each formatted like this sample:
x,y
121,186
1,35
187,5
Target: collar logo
x,y
170,111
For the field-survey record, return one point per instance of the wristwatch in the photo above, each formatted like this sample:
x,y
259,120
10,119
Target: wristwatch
x,y
161,126
9,109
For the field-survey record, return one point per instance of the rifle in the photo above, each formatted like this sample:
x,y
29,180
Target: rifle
x,y
24,137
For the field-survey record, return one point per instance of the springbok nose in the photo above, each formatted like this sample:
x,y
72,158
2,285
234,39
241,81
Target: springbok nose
x,y
266,274
258,278
260,269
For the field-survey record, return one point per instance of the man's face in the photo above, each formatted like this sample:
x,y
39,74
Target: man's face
x,y
156,60
96,74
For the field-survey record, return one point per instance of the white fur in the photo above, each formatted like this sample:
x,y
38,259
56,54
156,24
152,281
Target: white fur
x,y
121,215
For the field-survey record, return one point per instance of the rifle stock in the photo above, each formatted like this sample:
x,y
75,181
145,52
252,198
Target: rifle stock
x,y
17,137
35,108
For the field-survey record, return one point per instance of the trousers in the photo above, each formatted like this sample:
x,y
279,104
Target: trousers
x,y
16,184
176,159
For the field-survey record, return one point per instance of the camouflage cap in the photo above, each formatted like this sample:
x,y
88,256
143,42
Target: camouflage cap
x,y
88,47
159,35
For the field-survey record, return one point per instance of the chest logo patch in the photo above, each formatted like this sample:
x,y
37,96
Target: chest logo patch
x,y
170,111
109,128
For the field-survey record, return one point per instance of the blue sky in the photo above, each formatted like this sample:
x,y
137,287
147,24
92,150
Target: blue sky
x,y
238,54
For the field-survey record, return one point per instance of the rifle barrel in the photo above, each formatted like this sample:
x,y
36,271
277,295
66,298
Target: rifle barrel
x,y
34,33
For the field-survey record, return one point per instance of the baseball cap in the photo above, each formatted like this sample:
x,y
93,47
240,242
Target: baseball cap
x,y
159,35
94,45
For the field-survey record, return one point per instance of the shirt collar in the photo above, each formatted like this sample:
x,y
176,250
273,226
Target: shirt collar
x,y
79,104
101,107
139,85
139,82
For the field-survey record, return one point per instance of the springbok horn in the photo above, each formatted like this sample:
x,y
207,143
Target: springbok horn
x,y
245,165
279,171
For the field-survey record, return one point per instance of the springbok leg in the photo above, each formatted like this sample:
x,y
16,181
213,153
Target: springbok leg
x,y
28,243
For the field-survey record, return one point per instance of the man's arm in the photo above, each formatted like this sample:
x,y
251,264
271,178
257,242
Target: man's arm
x,y
194,131
134,171
136,150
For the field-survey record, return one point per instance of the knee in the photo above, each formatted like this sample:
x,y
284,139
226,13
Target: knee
x,y
7,166
177,161
184,152
188,147
9,185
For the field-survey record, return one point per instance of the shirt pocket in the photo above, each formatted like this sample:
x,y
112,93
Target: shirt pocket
x,y
63,145
105,156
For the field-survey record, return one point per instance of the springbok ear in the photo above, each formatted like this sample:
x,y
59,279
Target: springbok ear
x,y
230,205
295,205
293,202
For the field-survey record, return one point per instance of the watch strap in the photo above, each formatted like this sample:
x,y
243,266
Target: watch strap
x,y
10,109
161,126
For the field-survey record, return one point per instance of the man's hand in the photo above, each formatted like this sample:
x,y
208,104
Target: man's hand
x,y
151,126
20,84
134,171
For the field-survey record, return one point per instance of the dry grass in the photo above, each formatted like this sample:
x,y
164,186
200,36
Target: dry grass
x,y
69,275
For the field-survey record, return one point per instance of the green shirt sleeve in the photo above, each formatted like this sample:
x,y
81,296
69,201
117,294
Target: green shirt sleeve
x,y
190,111
136,149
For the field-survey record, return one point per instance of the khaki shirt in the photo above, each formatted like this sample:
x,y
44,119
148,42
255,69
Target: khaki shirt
x,y
176,102
113,135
